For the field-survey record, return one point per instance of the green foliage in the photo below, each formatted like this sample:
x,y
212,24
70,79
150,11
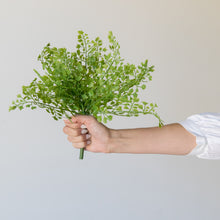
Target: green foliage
x,y
93,80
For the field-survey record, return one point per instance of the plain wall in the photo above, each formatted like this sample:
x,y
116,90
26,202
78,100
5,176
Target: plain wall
x,y
41,176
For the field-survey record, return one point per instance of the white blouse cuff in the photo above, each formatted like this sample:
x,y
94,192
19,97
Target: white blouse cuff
x,y
201,141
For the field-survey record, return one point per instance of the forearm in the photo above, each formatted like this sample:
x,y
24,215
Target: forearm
x,y
170,139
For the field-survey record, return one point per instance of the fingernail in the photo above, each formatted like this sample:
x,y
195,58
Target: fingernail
x,y
83,126
88,136
84,131
88,142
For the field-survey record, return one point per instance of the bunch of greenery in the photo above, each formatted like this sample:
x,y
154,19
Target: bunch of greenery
x,y
90,81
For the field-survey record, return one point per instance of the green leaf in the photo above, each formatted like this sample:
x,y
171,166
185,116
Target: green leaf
x,y
20,107
141,106
109,117
135,95
119,108
84,96
78,78
55,118
105,120
143,86
136,99
24,89
80,32
91,94
99,118
12,108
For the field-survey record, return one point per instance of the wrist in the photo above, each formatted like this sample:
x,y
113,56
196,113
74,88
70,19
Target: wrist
x,y
113,143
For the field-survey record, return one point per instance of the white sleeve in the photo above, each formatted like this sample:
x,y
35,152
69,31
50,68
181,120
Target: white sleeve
x,y
206,128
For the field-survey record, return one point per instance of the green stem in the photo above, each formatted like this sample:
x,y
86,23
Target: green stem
x,y
81,154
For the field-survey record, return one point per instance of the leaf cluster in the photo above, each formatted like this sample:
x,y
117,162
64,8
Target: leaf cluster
x,y
92,80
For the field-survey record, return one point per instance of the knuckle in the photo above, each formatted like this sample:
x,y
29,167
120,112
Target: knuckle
x,y
78,131
76,139
79,139
71,131
75,132
74,125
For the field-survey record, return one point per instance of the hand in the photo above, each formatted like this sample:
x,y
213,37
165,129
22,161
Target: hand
x,y
95,137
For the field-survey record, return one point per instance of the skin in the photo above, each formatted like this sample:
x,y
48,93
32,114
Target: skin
x,y
172,139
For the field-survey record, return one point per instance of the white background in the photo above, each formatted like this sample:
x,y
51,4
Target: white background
x,y
41,176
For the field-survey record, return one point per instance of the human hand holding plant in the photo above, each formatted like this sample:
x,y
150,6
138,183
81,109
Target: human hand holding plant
x,y
90,81
98,133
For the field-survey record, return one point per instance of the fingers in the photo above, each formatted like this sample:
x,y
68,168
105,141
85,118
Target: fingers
x,y
77,135
78,139
74,131
72,124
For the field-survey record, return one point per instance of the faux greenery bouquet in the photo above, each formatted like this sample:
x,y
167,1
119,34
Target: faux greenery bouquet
x,y
92,81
